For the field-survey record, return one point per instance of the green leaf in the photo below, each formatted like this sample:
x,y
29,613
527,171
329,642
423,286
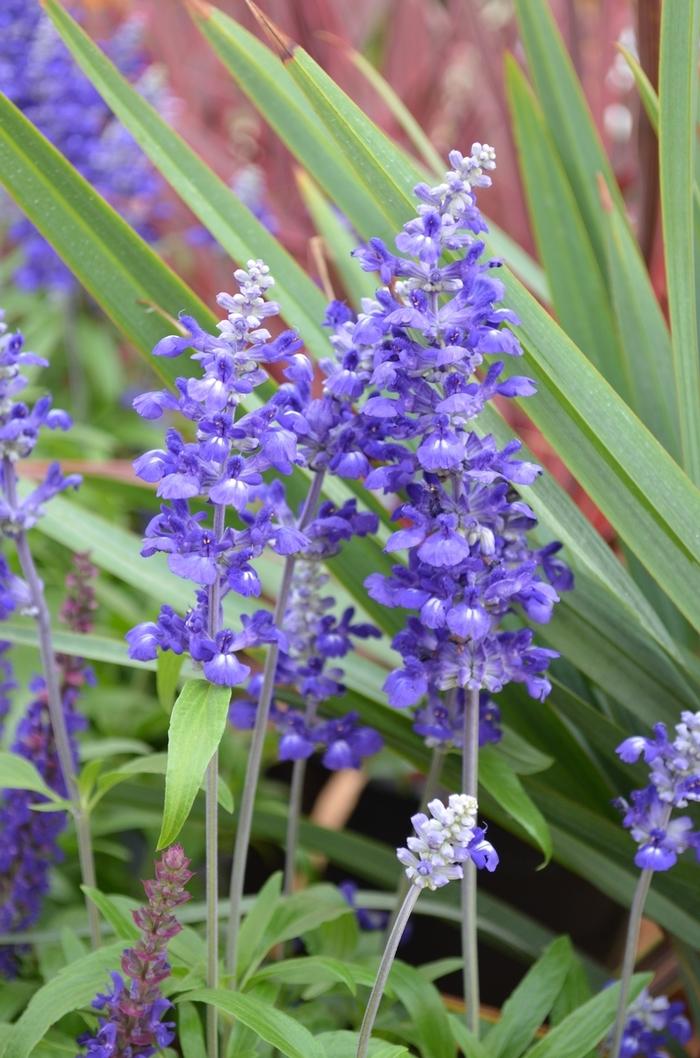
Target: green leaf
x,y
499,779
577,1034
292,916
678,87
155,764
190,1032
197,723
73,987
122,923
343,1044
168,669
120,271
643,331
18,773
576,274
429,1023
256,922
216,206
339,241
312,970
566,111
468,1043
271,1025
527,1007
575,991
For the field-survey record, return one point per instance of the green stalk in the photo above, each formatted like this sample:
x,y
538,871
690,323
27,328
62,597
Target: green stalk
x,y
470,951
245,818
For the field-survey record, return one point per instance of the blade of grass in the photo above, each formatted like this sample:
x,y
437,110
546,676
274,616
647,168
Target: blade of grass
x,y
678,87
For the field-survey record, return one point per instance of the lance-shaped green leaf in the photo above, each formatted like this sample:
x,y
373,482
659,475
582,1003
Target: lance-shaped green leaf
x,y
197,723
678,88
289,1036
112,262
18,773
209,198
566,111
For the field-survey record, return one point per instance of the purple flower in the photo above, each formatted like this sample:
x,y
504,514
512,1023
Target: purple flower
x,y
443,841
652,1022
132,1011
674,781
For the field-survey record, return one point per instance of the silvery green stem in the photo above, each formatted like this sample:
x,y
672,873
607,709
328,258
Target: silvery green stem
x,y
245,816
470,779
296,793
379,985
430,789
212,823
55,705
631,942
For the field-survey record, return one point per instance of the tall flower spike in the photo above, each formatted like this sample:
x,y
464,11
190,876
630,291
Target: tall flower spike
x,y
132,1011
29,848
39,75
20,426
224,466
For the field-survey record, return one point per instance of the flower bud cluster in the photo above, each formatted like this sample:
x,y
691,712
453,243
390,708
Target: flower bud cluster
x,y
39,75
444,841
674,782
131,1022
421,355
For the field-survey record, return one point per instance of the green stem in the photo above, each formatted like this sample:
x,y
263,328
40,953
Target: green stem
x,y
296,793
470,779
390,950
55,705
631,942
430,790
245,818
211,818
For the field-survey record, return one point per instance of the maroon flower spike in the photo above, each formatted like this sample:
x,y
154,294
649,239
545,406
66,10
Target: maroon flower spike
x,y
134,1010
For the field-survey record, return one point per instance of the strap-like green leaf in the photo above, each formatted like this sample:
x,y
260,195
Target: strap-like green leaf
x,y
217,207
111,261
678,88
197,723
577,1034
576,274
429,1023
527,1007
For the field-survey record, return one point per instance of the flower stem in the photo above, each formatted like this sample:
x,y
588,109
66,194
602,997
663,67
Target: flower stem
x,y
296,793
430,789
384,968
470,778
211,812
245,817
55,706
630,954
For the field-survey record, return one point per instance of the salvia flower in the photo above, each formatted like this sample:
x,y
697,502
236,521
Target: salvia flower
x,y
444,840
652,1022
28,839
367,919
316,639
674,781
424,357
39,75
222,467
132,1010
20,427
